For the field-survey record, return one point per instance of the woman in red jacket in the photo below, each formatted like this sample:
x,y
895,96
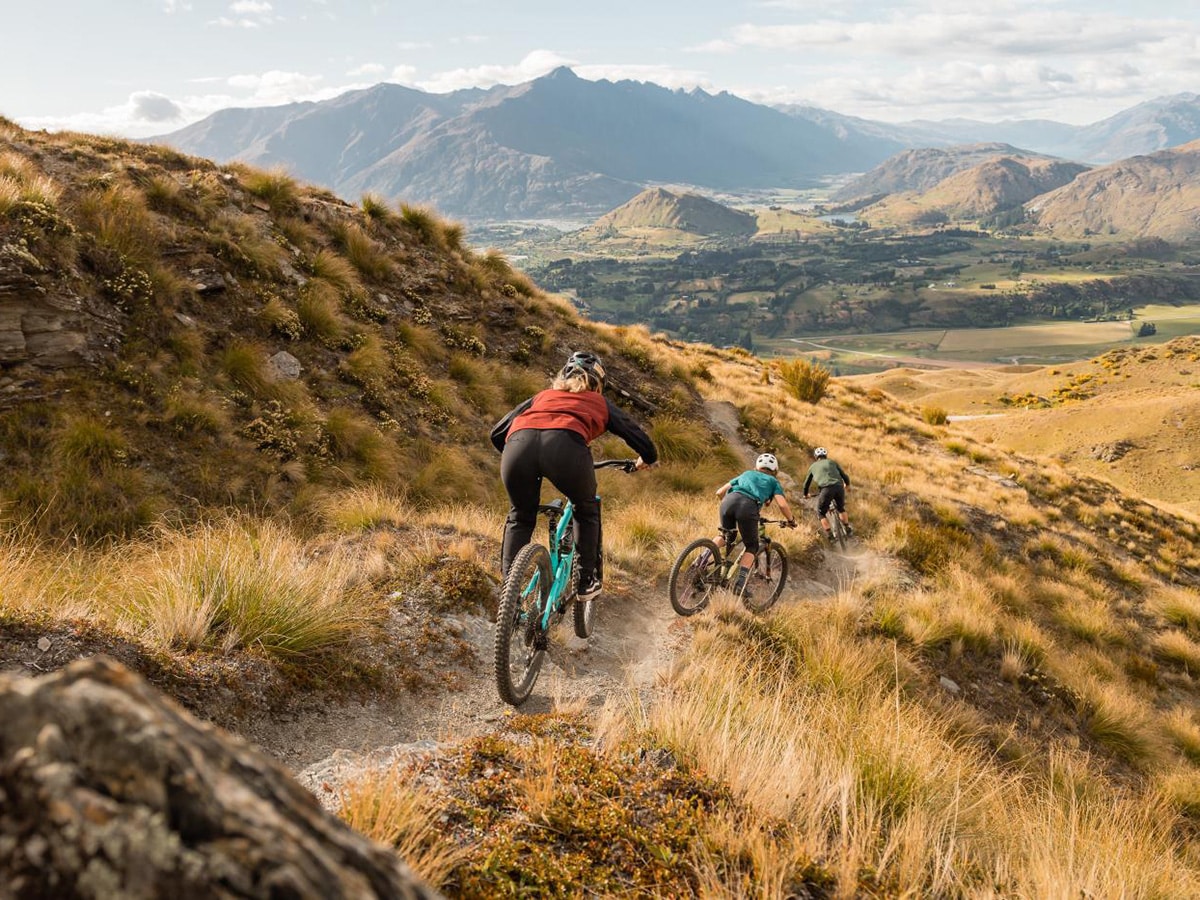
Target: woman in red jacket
x,y
547,436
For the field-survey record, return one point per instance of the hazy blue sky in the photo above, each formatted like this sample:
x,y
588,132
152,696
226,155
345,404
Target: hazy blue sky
x,y
140,67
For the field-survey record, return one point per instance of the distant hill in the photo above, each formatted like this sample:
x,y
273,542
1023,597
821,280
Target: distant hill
x,y
660,208
921,169
556,146
1144,196
1154,125
979,192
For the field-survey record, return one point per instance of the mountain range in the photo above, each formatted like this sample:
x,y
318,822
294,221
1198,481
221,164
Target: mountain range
x,y
563,146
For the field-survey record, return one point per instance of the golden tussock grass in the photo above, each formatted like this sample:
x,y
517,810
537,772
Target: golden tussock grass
x,y
376,210
239,585
366,254
868,780
42,581
319,312
1183,729
328,266
363,508
1178,605
354,438
1176,647
1090,620
119,220
387,806
275,186
239,238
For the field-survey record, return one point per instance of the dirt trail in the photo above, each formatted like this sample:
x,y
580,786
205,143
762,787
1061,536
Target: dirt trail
x,y
637,636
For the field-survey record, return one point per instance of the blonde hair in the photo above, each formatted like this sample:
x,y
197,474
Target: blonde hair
x,y
576,383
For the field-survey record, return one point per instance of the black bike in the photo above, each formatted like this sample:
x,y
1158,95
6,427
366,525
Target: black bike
x,y
702,567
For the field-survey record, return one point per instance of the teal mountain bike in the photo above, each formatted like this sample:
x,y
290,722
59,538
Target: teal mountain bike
x,y
541,582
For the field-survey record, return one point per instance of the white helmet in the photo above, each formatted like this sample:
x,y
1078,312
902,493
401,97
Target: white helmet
x,y
767,461
820,453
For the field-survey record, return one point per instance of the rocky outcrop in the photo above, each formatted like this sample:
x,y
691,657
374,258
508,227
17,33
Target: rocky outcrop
x,y
109,790
48,328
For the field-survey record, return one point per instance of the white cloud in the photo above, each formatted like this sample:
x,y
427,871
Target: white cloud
x,y
226,22
404,75
534,65
173,6
367,70
266,88
247,14
413,45
1043,31
149,106
666,76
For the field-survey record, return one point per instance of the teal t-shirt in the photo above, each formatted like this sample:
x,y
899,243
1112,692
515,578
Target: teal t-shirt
x,y
759,485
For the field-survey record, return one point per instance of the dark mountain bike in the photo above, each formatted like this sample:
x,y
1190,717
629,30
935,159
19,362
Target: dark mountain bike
x,y
541,582
703,567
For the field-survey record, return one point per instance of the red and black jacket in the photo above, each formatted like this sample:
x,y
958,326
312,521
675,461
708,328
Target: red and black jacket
x,y
587,413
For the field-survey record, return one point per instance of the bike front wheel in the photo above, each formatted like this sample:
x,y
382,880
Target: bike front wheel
x,y
520,639
768,578
694,576
838,529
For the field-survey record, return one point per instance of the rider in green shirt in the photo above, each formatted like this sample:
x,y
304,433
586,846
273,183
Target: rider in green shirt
x,y
831,481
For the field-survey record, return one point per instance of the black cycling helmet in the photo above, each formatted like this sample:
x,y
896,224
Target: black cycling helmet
x,y
589,365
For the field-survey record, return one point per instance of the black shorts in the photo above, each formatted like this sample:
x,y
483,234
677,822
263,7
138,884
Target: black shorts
x,y
741,510
831,495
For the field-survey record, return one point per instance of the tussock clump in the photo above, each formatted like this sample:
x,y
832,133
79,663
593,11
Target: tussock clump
x,y
804,380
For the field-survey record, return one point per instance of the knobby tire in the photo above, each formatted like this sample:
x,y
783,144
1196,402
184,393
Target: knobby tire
x,y
838,529
520,641
767,578
694,577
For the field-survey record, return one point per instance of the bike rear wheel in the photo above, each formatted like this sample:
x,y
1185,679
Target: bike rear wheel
x,y
694,576
768,577
520,641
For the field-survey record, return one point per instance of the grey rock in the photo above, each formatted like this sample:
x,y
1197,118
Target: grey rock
x,y
107,789
1111,452
949,685
285,366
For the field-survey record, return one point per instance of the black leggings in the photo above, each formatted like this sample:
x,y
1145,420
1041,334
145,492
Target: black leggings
x,y
562,456
741,510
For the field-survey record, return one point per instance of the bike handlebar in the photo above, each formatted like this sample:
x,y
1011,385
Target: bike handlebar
x,y
784,522
627,465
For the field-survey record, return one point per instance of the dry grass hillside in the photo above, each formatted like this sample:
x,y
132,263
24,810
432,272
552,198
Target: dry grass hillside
x,y
1143,196
1002,704
1130,416
147,297
998,184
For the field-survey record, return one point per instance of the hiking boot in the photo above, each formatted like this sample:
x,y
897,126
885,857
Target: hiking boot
x,y
591,590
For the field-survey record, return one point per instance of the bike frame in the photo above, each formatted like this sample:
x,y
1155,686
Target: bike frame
x,y
561,518
733,542
560,563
